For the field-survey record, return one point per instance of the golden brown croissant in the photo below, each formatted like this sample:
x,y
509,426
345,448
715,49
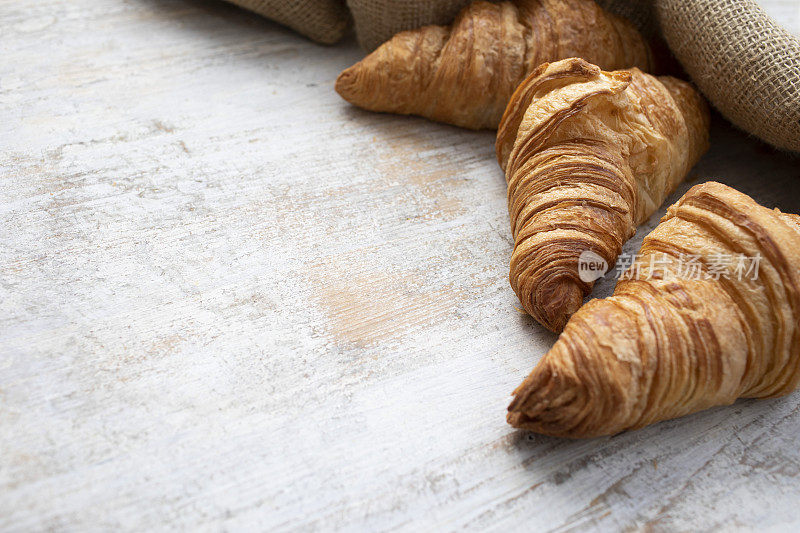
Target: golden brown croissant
x,y
464,74
684,330
588,155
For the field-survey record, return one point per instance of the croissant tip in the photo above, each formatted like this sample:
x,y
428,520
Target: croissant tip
x,y
551,402
517,417
524,414
561,298
529,398
345,82
513,418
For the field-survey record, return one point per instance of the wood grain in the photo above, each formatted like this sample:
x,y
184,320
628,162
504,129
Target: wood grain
x,y
230,300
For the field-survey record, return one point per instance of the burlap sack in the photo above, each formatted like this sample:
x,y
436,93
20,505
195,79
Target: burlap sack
x,y
377,21
640,12
746,64
324,21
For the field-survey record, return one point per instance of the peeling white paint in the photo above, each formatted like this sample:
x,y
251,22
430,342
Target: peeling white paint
x,y
230,300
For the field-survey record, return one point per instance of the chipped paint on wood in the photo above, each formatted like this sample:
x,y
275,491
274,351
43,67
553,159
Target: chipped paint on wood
x,y
229,300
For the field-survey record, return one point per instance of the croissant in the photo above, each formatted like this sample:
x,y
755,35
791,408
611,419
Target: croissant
x,y
672,339
464,74
589,155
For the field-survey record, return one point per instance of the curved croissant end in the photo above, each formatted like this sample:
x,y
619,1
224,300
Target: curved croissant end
x,y
670,342
588,155
464,74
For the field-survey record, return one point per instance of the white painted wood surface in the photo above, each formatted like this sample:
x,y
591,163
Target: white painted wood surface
x,y
785,12
229,300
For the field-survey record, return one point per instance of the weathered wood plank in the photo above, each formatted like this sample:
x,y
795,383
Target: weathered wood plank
x,y
227,299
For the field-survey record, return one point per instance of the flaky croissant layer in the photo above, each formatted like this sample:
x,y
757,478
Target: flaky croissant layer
x,y
464,74
588,155
670,341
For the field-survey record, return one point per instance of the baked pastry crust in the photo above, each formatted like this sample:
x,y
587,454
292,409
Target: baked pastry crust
x,y
589,155
667,344
465,73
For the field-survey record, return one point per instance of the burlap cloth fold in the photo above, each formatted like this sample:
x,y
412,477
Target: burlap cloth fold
x,y
324,21
377,20
745,63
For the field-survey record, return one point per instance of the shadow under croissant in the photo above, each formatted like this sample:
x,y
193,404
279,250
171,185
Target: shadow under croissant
x,y
721,423
664,458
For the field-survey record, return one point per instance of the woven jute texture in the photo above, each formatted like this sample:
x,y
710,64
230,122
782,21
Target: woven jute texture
x,y
746,64
640,12
324,21
376,21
